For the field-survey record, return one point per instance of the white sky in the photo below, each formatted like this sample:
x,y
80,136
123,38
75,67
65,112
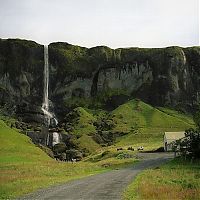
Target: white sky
x,y
114,23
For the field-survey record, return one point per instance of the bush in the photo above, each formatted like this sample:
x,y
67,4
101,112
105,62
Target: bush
x,y
59,148
73,154
190,145
193,142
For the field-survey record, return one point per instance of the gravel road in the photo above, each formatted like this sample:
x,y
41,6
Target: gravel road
x,y
106,186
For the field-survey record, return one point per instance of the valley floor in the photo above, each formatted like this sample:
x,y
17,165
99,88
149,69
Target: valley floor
x,y
25,168
108,186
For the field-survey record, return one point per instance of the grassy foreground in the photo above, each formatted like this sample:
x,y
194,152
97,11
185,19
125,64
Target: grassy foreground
x,y
25,168
178,179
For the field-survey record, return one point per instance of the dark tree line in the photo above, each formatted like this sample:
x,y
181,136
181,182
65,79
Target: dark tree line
x,y
191,143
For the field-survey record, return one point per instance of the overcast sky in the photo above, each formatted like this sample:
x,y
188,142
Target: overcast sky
x,y
115,23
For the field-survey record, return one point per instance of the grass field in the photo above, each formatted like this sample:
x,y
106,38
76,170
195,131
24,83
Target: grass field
x,y
25,168
179,179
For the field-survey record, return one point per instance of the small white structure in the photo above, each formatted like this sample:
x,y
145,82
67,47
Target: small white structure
x,y
170,138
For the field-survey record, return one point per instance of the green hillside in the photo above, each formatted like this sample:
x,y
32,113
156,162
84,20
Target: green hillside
x,y
82,122
136,122
146,125
16,147
25,168
136,112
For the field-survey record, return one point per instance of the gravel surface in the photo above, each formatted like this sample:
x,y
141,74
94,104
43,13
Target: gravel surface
x,y
106,186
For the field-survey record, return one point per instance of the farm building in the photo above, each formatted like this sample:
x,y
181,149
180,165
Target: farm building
x,y
170,137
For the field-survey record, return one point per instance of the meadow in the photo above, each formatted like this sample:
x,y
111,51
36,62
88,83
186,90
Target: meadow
x,y
178,180
24,167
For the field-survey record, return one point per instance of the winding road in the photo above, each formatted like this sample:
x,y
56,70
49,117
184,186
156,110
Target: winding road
x,y
106,186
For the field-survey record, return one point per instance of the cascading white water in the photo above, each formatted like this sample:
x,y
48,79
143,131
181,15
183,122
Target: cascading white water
x,y
56,138
48,116
45,106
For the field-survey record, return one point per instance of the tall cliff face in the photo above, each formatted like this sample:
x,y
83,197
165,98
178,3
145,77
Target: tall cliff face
x,y
164,77
21,76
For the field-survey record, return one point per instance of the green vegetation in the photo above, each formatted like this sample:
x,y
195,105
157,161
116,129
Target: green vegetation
x,y
179,179
145,125
25,167
185,118
87,142
146,116
191,143
136,122
82,121
197,117
75,102
104,96
18,55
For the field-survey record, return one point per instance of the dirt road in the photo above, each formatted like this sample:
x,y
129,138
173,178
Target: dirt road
x,y
108,186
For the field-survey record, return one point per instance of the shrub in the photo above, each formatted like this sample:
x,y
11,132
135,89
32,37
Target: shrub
x,y
193,142
59,148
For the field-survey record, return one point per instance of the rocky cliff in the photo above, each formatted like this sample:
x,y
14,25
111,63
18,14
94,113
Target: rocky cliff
x,y
21,77
162,76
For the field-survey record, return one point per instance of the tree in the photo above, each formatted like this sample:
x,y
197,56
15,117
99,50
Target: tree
x,y
197,119
192,142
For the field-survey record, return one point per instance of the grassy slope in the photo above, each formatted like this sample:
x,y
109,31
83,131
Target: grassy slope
x,y
151,123
84,124
144,124
146,116
25,168
178,179
84,128
86,142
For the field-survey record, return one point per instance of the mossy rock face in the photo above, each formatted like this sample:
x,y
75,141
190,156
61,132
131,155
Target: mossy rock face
x,y
160,76
21,76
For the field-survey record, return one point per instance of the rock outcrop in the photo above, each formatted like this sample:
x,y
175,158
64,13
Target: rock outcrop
x,y
21,77
162,76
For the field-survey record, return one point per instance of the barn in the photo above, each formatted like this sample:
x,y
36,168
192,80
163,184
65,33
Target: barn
x,y
170,137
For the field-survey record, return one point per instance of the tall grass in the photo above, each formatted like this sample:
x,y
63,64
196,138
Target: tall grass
x,y
179,179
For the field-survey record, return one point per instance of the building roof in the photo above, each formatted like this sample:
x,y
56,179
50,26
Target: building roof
x,y
174,135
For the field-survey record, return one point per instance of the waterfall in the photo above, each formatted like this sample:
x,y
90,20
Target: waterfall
x,y
46,79
56,138
45,106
